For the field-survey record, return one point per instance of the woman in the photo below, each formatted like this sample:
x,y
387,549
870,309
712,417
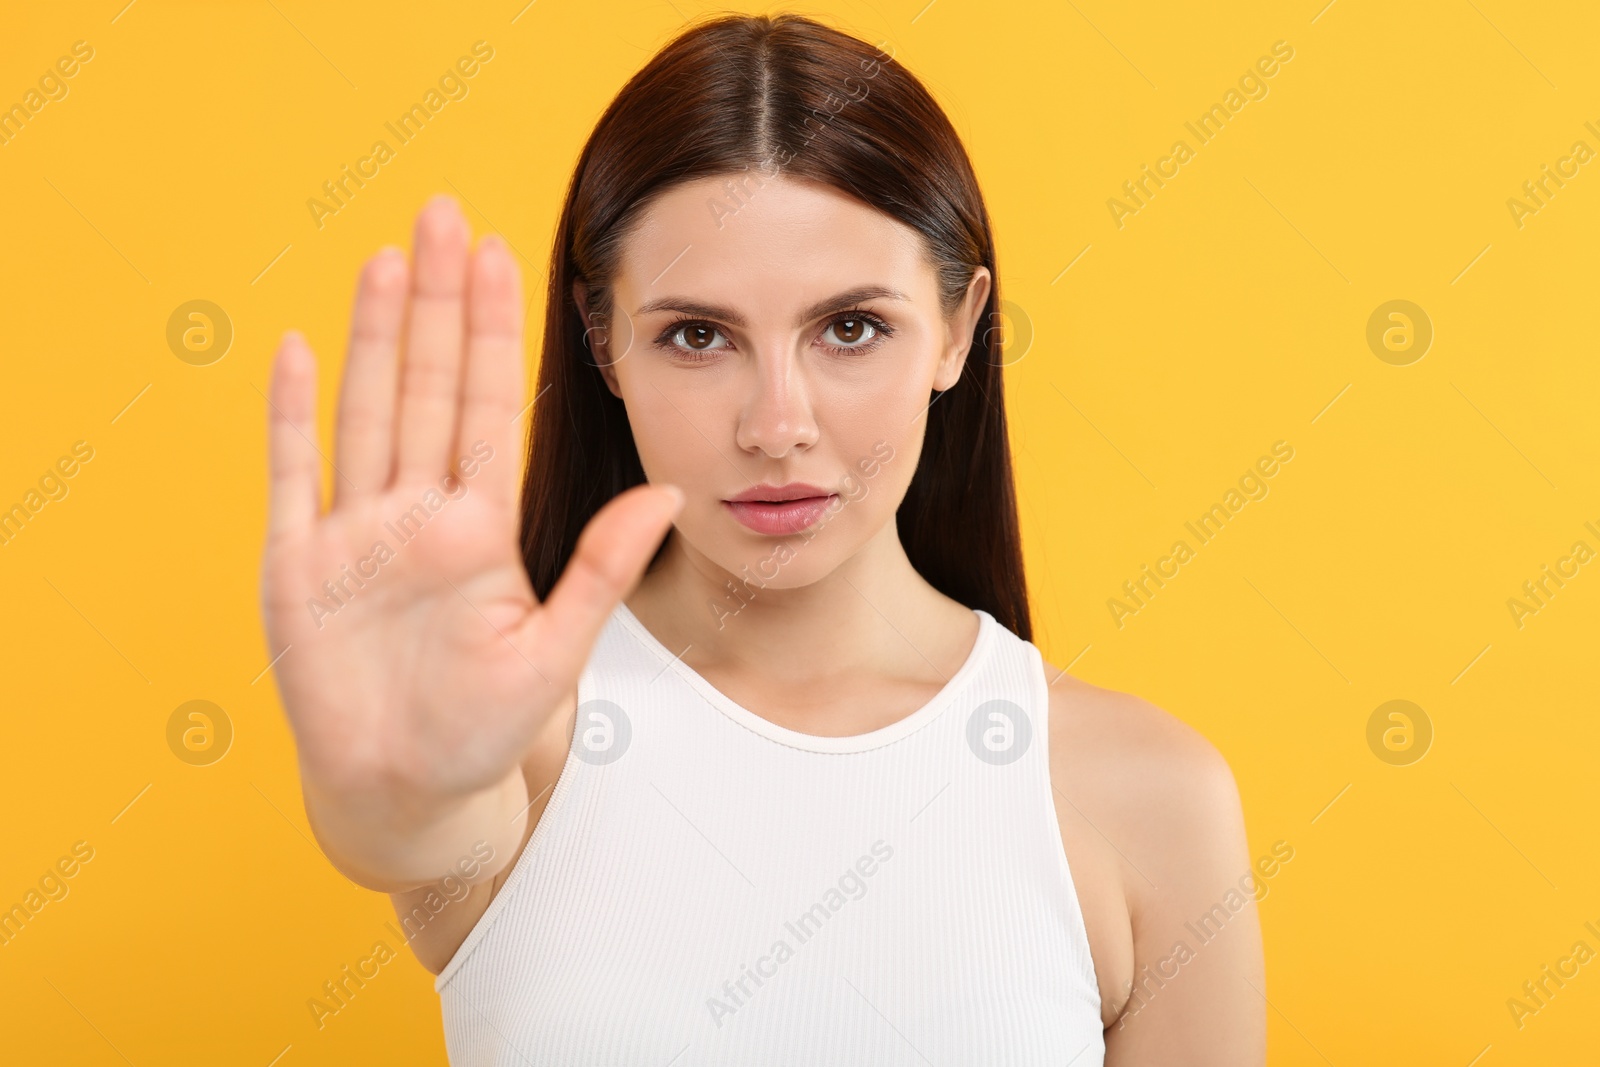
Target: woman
x,y
744,753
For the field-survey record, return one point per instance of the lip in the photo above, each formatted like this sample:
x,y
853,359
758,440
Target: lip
x,y
777,510
769,493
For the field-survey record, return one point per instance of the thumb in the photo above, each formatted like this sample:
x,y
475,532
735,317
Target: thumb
x,y
606,565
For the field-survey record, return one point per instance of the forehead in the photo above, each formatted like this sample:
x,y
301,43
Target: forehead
x,y
763,242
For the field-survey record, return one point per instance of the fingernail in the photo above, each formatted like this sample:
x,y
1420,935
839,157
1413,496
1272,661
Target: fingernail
x,y
678,498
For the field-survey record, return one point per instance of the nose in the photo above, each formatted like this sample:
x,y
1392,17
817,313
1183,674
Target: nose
x,y
777,417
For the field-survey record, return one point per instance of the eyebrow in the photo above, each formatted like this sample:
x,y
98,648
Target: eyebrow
x,y
837,302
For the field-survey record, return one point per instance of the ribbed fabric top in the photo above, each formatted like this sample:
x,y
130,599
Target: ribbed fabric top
x,y
708,887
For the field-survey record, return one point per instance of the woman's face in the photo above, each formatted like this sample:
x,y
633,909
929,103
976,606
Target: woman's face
x,y
771,332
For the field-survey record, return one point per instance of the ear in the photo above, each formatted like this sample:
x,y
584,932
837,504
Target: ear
x,y
596,334
960,328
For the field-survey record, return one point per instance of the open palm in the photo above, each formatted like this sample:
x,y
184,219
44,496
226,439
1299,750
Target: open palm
x,y
413,657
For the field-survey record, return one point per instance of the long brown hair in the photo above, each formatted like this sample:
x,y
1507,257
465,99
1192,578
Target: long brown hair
x,y
787,94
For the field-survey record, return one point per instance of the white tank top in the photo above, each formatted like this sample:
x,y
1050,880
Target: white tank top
x,y
708,887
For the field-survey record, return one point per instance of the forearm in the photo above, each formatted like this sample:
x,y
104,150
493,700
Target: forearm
x,y
394,843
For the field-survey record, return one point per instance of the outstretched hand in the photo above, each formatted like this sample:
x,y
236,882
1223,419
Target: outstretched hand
x,y
415,659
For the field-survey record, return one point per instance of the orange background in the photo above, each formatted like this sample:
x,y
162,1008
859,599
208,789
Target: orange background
x,y
1153,363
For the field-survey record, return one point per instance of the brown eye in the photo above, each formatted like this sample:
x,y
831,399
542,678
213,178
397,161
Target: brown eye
x,y
696,338
849,331
855,333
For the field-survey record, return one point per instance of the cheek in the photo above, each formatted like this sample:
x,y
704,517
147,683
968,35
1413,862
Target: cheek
x,y
881,468
671,432
875,455
881,397
865,420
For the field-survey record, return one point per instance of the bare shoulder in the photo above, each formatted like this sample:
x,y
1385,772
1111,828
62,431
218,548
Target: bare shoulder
x,y
1109,740
1151,816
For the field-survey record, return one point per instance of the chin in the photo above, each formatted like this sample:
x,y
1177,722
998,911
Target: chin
x,y
790,562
